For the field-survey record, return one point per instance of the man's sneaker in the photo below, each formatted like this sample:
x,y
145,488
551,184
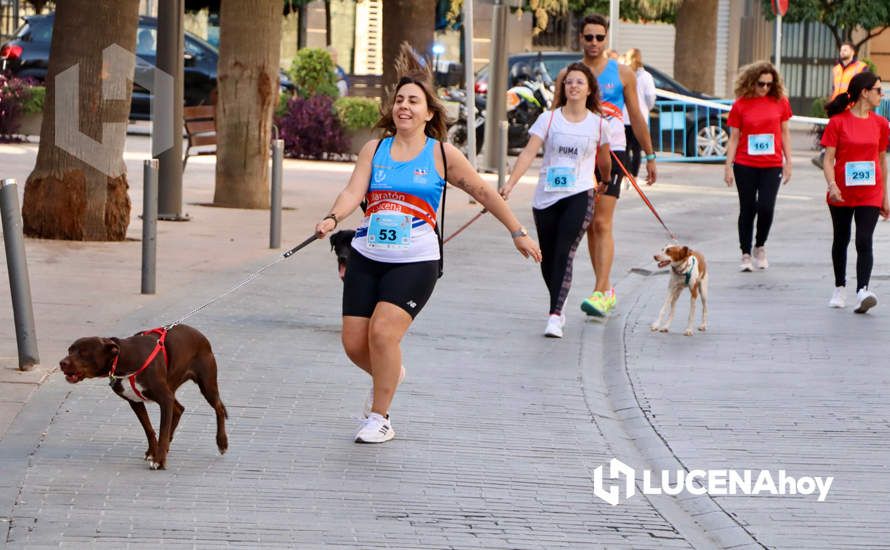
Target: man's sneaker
x,y
839,298
865,300
760,261
595,305
554,326
369,401
376,429
611,300
746,264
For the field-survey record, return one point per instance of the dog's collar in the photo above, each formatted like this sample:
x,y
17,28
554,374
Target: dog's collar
x,y
159,346
687,273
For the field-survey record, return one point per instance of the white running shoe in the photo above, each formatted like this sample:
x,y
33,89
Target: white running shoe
x,y
865,300
746,264
760,261
554,326
839,298
376,429
369,401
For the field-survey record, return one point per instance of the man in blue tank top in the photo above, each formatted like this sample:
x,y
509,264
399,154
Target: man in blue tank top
x,y
618,86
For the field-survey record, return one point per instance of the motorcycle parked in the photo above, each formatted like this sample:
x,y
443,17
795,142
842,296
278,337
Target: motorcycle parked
x,y
529,96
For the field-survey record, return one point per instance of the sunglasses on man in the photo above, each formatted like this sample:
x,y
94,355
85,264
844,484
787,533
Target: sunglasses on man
x,y
599,37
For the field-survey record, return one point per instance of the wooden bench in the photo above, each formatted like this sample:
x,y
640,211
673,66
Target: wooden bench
x,y
200,129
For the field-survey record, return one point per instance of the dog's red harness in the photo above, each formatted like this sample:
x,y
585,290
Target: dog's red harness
x,y
159,347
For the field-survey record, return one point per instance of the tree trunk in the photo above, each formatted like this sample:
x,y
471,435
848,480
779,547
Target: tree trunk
x,y
695,47
249,44
78,189
411,21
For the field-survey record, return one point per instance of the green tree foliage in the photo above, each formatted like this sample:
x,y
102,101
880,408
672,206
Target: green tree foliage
x,y
312,72
840,16
636,11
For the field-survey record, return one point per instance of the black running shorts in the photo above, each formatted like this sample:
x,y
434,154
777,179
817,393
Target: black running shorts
x,y
613,187
367,282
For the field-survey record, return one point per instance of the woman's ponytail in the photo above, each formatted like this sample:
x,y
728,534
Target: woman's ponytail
x,y
859,83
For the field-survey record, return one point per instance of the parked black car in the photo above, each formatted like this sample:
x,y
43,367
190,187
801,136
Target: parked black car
x,y
687,129
27,56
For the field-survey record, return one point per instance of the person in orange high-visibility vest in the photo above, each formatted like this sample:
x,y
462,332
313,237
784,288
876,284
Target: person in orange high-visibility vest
x,y
846,68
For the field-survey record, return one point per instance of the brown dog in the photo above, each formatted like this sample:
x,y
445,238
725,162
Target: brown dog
x,y
688,270
146,367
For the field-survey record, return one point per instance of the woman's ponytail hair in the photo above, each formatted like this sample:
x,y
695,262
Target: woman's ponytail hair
x,y
858,84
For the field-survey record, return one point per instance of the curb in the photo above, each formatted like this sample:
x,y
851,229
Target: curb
x,y
612,400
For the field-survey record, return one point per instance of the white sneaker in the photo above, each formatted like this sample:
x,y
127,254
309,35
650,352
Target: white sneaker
x,y
760,261
554,326
376,429
865,300
746,264
839,298
369,401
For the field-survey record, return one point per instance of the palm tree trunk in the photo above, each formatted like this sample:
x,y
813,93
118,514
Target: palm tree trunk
x,y
411,21
78,188
249,44
695,47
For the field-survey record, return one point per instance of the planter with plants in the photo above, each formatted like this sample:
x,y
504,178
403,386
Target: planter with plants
x,y
20,104
32,111
357,115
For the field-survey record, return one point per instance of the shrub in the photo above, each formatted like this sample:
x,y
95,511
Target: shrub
x,y
312,72
310,129
13,94
356,113
34,99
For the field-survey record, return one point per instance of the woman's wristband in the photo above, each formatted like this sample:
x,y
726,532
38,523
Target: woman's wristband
x,y
650,156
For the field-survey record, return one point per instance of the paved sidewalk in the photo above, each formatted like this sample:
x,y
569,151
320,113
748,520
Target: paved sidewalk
x,y
499,430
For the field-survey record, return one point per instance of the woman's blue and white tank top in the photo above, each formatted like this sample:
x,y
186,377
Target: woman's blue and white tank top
x,y
403,200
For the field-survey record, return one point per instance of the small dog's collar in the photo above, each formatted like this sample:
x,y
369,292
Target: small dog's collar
x,y
688,271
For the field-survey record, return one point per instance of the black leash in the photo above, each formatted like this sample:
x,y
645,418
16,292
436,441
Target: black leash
x,y
252,276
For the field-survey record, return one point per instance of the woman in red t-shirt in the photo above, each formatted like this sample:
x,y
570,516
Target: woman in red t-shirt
x,y
855,168
758,156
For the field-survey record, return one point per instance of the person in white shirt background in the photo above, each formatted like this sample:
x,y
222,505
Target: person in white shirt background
x,y
646,96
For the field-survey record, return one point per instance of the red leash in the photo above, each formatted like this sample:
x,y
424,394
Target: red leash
x,y
643,196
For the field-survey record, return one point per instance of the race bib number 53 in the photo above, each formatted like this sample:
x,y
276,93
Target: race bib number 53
x,y
389,231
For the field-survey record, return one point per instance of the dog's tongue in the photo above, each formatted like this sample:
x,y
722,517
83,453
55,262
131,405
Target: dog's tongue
x,y
342,271
664,263
72,378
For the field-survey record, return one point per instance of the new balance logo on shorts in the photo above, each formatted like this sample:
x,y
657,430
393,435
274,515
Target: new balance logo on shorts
x,y
412,304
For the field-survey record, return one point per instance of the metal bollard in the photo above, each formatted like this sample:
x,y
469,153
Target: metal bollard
x,y
275,205
149,225
19,284
502,155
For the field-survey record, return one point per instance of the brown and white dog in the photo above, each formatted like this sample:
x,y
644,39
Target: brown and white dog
x,y
150,366
688,269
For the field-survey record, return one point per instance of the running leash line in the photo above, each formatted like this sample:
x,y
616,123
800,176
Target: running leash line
x,y
644,197
466,225
245,282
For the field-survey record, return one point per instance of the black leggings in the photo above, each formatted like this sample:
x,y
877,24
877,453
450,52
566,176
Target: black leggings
x,y
560,228
866,219
757,189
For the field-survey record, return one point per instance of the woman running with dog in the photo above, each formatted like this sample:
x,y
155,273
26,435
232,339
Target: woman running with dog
x,y
575,137
396,260
855,169
758,156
